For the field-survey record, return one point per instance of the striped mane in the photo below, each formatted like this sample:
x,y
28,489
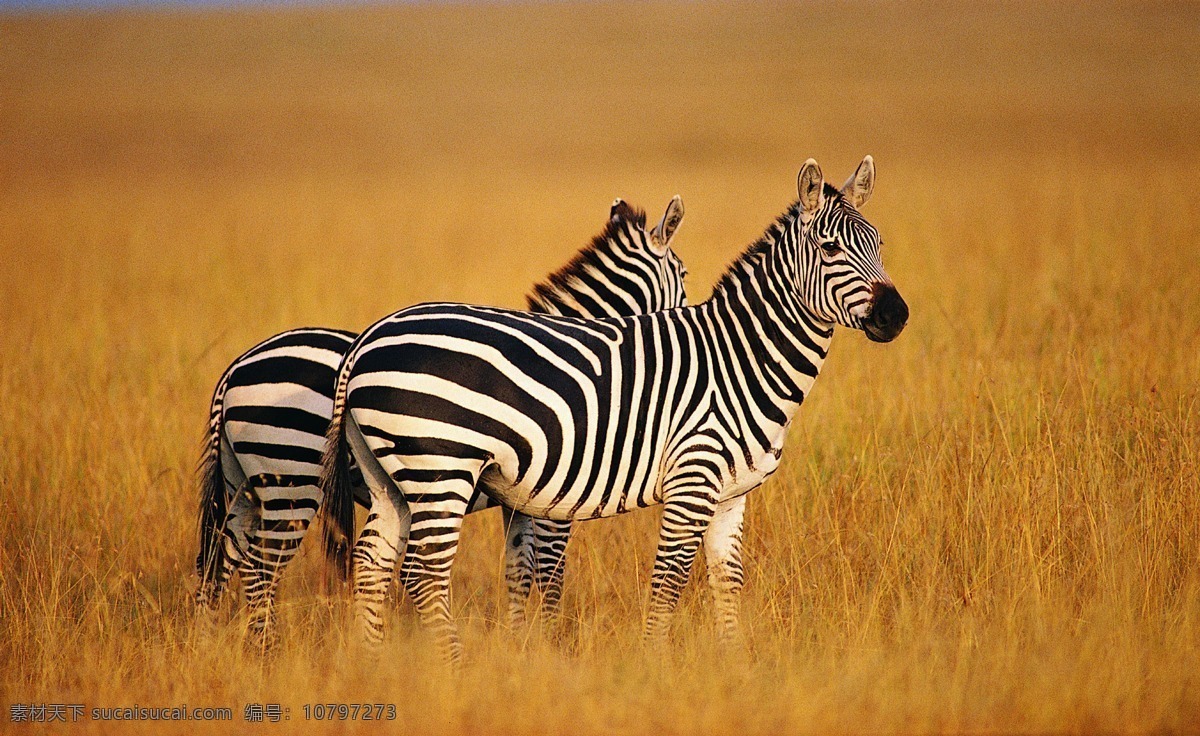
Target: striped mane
x,y
754,254
555,289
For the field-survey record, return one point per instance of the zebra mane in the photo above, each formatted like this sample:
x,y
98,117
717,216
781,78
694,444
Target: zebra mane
x,y
556,287
752,255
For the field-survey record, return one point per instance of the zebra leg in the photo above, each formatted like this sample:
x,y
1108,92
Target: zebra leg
x,y
285,506
519,552
686,514
437,513
381,541
549,552
379,547
242,526
260,582
723,555
208,594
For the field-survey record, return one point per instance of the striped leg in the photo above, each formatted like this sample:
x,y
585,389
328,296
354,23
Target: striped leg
x,y
284,506
549,550
437,513
208,595
242,527
381,541
519,562
231,477
260,583
534,552
723,555
378,549
686,514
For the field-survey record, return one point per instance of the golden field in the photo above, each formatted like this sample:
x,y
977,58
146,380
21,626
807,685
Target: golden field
x,y
991,524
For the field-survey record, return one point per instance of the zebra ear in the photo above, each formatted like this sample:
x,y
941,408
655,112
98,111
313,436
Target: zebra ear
x,y
664,231
811,184
858,187
620,211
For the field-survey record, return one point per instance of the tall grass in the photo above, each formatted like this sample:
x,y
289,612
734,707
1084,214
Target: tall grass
x,y
991,524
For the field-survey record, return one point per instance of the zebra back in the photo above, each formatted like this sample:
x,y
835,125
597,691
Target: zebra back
x,y
625,270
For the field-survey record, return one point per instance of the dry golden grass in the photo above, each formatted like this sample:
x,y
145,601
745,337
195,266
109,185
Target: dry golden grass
x,y
992,524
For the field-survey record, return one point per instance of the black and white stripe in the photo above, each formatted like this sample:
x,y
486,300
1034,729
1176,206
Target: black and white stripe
x,y
272,406
570,419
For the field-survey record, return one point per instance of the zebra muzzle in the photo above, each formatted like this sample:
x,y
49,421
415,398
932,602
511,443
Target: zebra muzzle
x,y
889,314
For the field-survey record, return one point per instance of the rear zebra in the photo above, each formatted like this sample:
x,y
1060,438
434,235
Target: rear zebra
x,y
272,406
571,419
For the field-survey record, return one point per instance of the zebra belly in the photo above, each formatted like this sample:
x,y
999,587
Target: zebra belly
x,y
747,476
627,490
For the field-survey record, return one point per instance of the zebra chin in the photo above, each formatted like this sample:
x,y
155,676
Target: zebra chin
x,y
889,314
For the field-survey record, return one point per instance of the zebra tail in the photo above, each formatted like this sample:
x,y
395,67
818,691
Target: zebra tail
x,y
337,504
213,504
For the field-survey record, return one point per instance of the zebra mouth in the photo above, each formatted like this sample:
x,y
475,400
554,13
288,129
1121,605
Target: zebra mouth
x,y
877,334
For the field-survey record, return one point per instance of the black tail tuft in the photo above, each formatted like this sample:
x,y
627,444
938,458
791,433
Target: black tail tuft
x,y
211,557
337,506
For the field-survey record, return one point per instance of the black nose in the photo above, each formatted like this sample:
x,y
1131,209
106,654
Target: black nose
x,y
888,315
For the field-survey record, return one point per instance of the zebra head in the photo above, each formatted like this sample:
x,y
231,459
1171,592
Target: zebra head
x,y
841,276
626,270
662,271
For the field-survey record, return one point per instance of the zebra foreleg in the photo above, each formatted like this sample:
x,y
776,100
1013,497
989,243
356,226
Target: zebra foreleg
x,y
686,515
723,555
437,513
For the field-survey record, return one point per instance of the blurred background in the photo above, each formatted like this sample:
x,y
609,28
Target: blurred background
x,y
990,523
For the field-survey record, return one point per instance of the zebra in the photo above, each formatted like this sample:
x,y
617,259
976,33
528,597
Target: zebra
x,y
272,406
573,419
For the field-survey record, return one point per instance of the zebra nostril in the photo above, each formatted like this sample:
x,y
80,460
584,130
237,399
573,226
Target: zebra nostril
x,y
889,312
890,308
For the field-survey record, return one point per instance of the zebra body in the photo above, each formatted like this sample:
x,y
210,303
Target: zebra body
x,y
272,407
572,419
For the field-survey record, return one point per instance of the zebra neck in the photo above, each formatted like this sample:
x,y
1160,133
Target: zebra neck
x,y
600,281
784,349
757,309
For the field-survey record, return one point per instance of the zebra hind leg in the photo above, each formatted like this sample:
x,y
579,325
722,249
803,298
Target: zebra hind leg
x,y
223,480
283,507
519,563
549,553
242,525
378,549
437,512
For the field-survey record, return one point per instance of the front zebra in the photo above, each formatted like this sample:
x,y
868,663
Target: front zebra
x,y
272,407
575,419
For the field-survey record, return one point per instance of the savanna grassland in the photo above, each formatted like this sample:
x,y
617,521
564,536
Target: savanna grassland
x,y
991,524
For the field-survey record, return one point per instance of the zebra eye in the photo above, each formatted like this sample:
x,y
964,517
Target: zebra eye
x,y
831,247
